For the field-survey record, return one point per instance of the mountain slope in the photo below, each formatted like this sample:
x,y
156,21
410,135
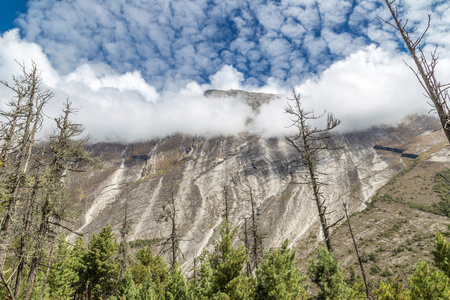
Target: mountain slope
x,y
139,179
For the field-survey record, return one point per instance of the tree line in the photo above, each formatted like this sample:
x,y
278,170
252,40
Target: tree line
x,y
92,271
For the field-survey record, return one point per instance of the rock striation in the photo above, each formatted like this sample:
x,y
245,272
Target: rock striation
x,y
138,179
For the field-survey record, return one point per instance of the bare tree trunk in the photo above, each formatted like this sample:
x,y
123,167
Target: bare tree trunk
x,y
312,142
320,207
37,256
226,203
425,70
26,235
357,252
124,234
249,267
170,214
256,247
27,87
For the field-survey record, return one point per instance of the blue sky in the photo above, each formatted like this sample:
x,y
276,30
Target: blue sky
x,y
139,66
11,9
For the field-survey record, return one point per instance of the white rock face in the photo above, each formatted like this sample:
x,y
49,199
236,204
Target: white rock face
x,y
142,177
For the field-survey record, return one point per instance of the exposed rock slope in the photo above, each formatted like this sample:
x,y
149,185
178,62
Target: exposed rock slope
x,y
140,178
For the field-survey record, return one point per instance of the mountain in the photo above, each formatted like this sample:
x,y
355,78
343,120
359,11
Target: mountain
x,y
137,180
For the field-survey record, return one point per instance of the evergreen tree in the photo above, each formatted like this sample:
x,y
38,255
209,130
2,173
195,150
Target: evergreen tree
x,y
102,268
428,284
78,265
391,291
150,266
127,289
62,279
149,290
277,276
177,288
221,271
327,274
442,254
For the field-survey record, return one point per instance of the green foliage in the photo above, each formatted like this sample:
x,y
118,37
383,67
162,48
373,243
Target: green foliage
x,y
327,274
102,268
278,278
442,254
149,290
177,287
391,291
62,280
442,188
429,284
142,243
151,266
411,165
221,271
395,228
127,289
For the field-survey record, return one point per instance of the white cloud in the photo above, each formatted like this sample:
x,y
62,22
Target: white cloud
x,y
369,87
227,78
138,69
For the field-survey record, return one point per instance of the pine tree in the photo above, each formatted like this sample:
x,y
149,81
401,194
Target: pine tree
x,y
102,268
149,266
391,291
327,274
77,256
428,284
277,276
127,289
177,287
64,275
442,254
221,271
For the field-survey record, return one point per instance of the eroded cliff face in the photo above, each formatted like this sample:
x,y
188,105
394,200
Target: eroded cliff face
x,y
139,179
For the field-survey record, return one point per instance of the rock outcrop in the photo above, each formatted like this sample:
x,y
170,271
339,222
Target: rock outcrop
x,y
139,179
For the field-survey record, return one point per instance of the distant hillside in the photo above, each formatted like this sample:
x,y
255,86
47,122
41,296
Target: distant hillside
x,y
139,179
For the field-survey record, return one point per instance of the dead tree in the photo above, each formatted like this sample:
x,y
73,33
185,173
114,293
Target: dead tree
x,y
310,142
25,237
357,252
66,152
256,237
425,69
247,246
227,204
124,231
18,131
172,242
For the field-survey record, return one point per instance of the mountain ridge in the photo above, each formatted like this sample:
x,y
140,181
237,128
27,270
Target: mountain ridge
x,y
140,177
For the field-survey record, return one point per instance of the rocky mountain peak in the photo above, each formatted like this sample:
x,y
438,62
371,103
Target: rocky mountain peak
x,y
254,100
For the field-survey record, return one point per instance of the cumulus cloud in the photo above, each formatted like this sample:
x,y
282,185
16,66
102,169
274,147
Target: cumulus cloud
x,y
369,87
172,43
138,69
123,107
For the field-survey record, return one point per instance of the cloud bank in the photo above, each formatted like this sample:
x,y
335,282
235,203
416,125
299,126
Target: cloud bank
x,y
138,69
